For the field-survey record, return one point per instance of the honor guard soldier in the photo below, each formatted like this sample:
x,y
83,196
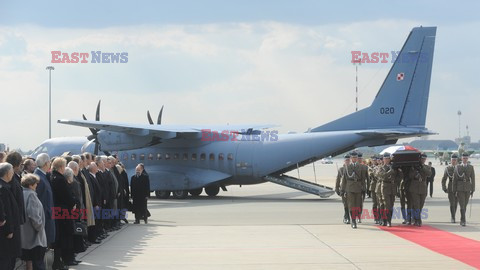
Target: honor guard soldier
x,y
378,191
364,173
405,200
353,184
340,175
388,178
463,185
371,187
452,198
418,188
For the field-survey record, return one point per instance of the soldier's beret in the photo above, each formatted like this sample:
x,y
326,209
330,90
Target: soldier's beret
x,y
386,155
354,154
465,155
347,156
454,156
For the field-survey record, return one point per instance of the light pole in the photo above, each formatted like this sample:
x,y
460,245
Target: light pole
x,y
356,64
50,68
459,113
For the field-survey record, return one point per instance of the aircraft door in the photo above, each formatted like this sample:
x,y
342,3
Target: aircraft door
x,y
244,158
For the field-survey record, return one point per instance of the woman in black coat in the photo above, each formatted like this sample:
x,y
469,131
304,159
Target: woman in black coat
x,y
62,198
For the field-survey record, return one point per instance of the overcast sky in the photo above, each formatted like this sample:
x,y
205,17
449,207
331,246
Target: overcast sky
x,y
218,62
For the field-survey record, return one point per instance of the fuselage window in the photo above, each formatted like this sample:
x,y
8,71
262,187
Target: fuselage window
x,y
203,156
230,156
175,156
134,156
212,156
194,156
220,156
185,156
125,156
142,156
150,156
167,156
159,156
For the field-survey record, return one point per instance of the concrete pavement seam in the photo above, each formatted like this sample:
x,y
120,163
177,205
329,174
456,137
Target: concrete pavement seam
x,y
316,237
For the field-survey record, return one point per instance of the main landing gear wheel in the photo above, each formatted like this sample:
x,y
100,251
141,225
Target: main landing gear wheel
x,y
196,192
212,190
180,194
162,194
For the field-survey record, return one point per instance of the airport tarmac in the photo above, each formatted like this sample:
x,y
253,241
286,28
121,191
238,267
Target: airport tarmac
x,y
273,227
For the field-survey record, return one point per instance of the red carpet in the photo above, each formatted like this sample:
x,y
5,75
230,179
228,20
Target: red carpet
x,y
454,246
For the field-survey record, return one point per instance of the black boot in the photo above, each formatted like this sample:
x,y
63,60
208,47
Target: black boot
x,y
346,216
462,218
389,219
453,211
354,220
384,217
404,216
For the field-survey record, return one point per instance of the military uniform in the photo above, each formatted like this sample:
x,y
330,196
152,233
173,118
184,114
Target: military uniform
x,y
418,190
452,198
405,200
353,184
463,186
379,194
389,179
371,187
340,175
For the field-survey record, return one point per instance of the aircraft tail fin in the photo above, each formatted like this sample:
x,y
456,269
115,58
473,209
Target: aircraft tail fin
x,y
403,97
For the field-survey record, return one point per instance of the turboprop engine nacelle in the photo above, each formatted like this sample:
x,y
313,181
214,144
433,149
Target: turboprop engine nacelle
x,y
116,141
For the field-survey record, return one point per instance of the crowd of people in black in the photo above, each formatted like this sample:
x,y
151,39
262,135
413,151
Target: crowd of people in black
x,y
62,205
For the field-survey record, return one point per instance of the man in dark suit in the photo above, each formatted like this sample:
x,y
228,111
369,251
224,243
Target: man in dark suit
x,y
94,232
140,187
15,159
45,195
10,247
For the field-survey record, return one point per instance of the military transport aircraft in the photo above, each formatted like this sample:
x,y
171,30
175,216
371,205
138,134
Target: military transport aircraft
x,y
186,159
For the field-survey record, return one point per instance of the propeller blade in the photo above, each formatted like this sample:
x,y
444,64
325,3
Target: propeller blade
x,y
96,148
97,115
159,119
86,145
149,118
93,130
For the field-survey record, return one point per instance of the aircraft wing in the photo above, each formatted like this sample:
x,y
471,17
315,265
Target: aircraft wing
x,y
162,131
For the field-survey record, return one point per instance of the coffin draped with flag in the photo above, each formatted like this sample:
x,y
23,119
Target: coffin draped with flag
x,y
404,155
